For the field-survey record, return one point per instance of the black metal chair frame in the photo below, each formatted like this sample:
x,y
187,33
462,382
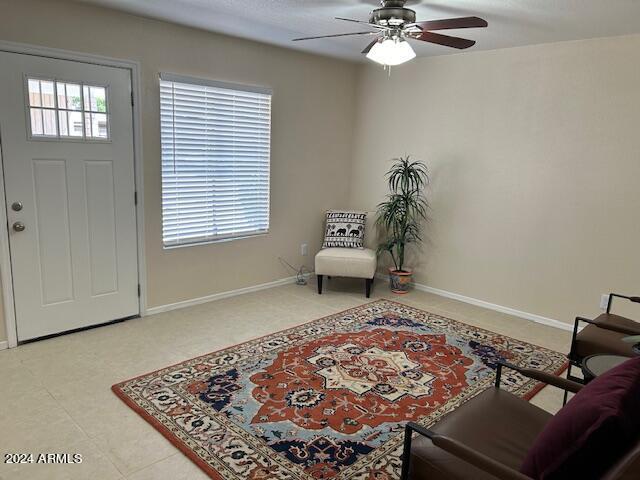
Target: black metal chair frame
x,y
472,456
574,360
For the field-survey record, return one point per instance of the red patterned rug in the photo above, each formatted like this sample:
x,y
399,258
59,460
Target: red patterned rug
x,y
327,399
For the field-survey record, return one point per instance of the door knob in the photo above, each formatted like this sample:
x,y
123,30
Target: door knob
x,y
18,226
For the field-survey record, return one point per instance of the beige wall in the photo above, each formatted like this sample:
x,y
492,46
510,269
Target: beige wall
x,y
535,157
313,107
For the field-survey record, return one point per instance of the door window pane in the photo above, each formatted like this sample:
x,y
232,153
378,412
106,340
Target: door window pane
x,y
49,122
86,94
98,99
74,100
68,110
75,124
34,93
36,121
87,125
96,125
95,99
48,99
63,123
69,96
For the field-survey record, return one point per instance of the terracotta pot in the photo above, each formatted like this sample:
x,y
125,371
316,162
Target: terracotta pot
x,y
400,280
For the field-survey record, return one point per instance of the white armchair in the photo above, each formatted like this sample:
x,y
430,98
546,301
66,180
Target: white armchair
x,y
350,262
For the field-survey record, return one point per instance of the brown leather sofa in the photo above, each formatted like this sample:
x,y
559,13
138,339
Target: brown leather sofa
x,y
602,335
488,437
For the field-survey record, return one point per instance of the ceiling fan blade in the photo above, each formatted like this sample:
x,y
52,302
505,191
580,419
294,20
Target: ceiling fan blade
x,y
446,40
335,35
372,25
452,23
369,47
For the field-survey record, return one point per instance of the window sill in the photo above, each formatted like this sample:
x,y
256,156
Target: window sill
x,y
219,240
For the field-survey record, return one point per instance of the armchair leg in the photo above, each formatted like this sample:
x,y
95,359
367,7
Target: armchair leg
x,y
566,392
319,284
368,283
406,453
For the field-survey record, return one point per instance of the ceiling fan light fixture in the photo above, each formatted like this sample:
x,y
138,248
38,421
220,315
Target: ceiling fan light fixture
x,y
391,52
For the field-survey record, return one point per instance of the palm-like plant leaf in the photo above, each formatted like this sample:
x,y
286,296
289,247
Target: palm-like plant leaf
x,y
404,208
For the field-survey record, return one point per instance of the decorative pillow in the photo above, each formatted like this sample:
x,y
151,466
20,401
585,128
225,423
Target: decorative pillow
x,y
344,229
596,428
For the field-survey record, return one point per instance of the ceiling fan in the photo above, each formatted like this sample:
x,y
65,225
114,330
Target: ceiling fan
x,y
393,24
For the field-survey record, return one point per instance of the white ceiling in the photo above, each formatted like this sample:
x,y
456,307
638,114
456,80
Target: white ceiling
x,y
511,22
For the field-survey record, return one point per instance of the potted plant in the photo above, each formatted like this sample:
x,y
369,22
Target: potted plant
x,y
401,216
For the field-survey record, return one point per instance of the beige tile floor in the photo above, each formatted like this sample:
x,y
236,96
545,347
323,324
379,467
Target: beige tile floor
x,y
55,394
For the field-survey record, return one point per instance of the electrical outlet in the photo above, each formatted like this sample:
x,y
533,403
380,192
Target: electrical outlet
x,y
304,249
604,301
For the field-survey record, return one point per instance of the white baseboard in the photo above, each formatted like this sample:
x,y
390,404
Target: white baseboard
x,y
217,296
418,286
491,306
4,345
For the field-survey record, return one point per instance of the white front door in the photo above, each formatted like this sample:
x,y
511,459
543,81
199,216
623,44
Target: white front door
x,y
67,151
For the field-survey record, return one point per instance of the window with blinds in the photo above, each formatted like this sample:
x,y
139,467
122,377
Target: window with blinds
x,y
215,160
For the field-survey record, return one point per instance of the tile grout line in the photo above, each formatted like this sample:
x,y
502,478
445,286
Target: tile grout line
x,y
88,437
127,476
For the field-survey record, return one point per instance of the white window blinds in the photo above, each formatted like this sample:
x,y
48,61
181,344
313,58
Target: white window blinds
x,y
215,160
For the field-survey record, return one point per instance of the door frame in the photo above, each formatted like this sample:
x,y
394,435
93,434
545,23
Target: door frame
x,y
6,276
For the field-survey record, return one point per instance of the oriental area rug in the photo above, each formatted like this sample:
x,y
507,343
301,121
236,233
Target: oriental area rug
x,y
327,399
